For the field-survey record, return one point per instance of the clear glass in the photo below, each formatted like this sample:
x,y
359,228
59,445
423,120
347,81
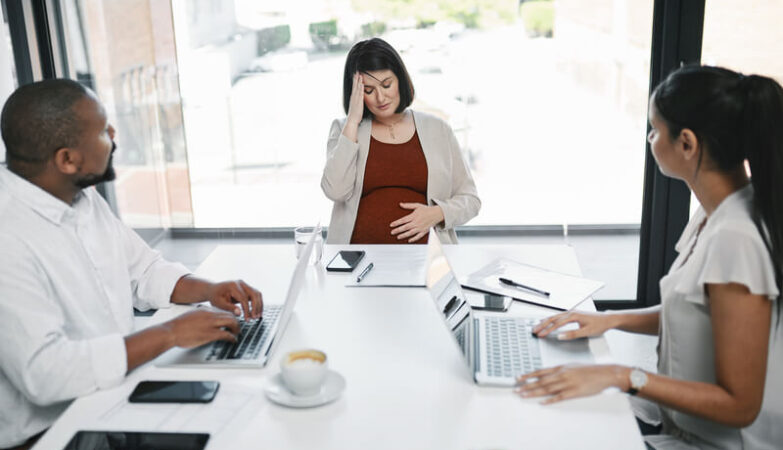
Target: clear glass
x,y
754,51
7,70
302,236
548,101
125,52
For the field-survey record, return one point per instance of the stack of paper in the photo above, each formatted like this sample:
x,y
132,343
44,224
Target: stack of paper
x,y
392,268
565,291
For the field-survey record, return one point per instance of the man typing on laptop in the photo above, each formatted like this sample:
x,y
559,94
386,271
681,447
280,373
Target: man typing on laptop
x,y
72,271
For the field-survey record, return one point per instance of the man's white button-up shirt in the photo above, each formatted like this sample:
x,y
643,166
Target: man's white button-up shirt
x,y
69,278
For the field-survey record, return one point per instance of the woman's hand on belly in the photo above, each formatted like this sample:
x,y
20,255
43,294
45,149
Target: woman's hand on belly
x,y
417,224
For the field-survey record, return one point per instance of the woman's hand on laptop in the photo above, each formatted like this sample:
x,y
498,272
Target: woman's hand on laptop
x,y
564,382
590,324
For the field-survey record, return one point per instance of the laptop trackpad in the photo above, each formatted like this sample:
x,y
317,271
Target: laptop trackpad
x,y
555,353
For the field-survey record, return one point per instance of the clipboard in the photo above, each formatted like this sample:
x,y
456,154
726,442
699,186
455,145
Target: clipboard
x,y
565,291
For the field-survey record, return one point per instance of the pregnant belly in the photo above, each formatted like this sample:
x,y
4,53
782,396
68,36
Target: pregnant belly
x,y
377,210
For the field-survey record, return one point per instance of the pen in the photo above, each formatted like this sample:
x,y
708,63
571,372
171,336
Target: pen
x,y
520,285
364,272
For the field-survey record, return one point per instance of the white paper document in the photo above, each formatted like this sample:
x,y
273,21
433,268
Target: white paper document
x,y
565,291
391,268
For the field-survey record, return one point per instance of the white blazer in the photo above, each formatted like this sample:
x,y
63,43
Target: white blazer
x,y
449,182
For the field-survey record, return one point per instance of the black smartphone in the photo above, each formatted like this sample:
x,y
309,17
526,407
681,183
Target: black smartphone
x,y
174,392
345,261
488,302
132,440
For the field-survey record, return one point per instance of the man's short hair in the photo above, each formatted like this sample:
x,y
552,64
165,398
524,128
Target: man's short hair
x,y
38,119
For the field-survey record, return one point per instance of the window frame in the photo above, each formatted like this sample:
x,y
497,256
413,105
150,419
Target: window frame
x,y
677,39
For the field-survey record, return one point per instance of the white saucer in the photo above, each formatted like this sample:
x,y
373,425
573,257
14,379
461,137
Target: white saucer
x,y
330,391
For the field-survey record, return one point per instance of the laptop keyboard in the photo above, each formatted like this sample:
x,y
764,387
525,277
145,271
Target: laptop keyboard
x,y
252,335
511,348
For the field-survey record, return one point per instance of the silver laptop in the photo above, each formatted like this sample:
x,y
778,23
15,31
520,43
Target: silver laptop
x,y
497,347
257,339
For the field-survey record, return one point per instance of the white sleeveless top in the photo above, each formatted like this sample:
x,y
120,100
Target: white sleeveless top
x,y
729,249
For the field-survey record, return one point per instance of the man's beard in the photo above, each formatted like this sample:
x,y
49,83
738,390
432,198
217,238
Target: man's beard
x,y
108,175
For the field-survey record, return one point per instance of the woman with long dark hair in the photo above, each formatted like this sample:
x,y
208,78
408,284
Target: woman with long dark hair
x,y
392,173
720,367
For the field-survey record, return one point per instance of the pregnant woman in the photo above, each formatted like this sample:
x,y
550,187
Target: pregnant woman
x,y
392,173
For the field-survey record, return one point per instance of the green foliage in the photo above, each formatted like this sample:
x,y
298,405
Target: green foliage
x,y
323,30
324,34
468,18
538,17
272,38
373,29
471,13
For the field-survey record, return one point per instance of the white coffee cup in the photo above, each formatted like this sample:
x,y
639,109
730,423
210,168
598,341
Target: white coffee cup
x,y
304,371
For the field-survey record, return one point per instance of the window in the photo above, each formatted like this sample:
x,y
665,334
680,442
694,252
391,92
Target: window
x,y
749,53
754,51
547,99
8,72
223,107
125,52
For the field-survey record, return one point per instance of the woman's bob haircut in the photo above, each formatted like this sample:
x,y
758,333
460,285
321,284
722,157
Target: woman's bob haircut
x,y
376,54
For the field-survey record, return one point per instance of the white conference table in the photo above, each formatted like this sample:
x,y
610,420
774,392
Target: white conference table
x,y
407,385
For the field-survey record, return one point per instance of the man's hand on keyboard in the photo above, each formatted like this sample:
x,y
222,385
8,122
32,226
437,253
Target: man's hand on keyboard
x,y
201,327
238,297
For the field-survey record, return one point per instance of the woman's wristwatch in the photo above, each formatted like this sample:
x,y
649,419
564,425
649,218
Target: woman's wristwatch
x,y
638,379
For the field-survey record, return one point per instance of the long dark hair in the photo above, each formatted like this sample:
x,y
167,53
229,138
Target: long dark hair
x,y
376,54
739,118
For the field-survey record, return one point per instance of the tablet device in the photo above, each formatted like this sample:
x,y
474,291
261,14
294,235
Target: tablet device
x,y
174,392
345,261
131,440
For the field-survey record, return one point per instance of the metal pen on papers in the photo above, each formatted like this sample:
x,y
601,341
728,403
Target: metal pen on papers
x,y
520,285
364,272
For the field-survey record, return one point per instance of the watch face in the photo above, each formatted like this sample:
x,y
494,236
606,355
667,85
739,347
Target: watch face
x,y
638,379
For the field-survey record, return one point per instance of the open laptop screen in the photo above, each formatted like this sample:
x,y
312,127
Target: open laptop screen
x,y
297,280
448,296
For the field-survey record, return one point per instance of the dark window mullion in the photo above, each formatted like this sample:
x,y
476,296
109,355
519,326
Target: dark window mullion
x,y
14,13
677,39
42,30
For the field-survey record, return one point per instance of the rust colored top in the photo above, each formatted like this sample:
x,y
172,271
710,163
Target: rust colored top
x,y
395,173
